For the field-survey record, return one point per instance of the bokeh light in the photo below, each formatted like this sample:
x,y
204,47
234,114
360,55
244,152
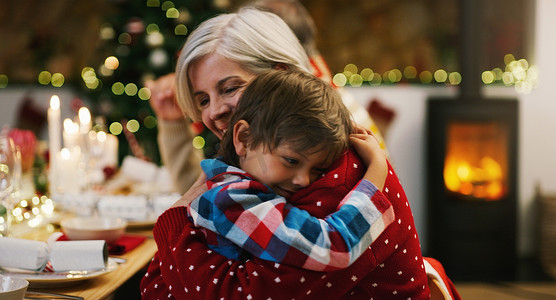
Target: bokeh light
x,y
155,39
111,63
131,89
3,81
107,32
172,13
488,77
367,74
425,77
144,93
180,29
153,3
440,76
132,125
339,79
166,5
410,72
124,38
115,128
118,88
454,78
198,142
150,122
356,80
377,79
152,28
57,79
44,77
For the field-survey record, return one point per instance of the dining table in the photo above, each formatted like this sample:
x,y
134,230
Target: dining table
x,y
129,264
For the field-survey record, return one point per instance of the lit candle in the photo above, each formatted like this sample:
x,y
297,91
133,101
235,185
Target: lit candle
x,y
54,135
84,129
111,150
71,134
69,171
84,120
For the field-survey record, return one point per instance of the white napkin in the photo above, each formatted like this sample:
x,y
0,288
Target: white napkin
x,y
78,255
131,207
23,254
138,169
162,202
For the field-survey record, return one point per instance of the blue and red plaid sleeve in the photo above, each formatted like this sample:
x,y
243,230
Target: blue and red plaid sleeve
x,y
253,218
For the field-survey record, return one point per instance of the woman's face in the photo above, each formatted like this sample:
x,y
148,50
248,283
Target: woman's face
x,y
217,84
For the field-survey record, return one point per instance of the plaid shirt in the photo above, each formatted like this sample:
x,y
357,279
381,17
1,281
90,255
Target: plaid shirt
x,y
243,217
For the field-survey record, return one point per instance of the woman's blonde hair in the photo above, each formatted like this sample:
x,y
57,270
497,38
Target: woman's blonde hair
x,y
255,39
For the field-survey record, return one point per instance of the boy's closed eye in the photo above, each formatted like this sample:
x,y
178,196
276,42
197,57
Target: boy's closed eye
x,y
290,161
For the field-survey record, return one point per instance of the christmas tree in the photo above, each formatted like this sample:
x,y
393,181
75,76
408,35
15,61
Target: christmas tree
x,y
140,40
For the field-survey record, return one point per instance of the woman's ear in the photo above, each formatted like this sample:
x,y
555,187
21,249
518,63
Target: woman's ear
x,y
281,66
240,136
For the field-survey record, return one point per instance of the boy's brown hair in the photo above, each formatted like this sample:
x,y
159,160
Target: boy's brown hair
x,y
285,106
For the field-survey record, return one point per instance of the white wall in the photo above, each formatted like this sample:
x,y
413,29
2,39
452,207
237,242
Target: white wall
x,y
537,131
12,97
538,124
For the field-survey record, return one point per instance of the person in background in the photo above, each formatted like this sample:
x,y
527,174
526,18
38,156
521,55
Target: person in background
x,y
218,61
302,24
174,128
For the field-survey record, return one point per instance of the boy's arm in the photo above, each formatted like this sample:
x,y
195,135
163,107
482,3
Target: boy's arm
x,y
373,156
264,225
184,268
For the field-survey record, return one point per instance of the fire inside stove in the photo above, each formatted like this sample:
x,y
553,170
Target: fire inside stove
x,y
476,162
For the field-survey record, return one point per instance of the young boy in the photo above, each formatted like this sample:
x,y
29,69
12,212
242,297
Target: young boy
x,y
287,130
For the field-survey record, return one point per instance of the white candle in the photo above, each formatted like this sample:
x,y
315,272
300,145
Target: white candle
x,y
54,136
69,171
111,150
71,134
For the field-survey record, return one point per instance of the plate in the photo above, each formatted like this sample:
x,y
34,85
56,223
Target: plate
x,y
140,223
57,279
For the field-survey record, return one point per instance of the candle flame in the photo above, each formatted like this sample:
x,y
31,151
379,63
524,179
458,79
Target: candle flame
x,y
65,153
55,102
70,126
101,136
84,115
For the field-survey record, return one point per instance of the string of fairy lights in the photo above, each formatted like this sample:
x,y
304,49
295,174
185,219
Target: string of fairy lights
x,y
516,72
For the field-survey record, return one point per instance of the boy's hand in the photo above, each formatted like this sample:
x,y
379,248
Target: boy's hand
x,y
372,155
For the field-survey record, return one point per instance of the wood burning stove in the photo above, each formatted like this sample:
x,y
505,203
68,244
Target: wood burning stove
x,y
472,186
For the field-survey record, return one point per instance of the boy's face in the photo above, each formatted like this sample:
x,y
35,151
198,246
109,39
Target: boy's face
x,y
285,170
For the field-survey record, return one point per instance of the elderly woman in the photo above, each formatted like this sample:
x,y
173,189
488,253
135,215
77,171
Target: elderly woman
x,y
217,62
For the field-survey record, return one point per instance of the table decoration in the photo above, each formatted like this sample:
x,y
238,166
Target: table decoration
x,y
23,254
78,255
54,136
25,143
71,134
10,175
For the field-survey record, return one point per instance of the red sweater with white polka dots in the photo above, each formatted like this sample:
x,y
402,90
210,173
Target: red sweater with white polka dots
x,y
392,268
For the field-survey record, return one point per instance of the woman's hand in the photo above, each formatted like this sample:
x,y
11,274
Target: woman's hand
x,y
163,98
196,190
372,155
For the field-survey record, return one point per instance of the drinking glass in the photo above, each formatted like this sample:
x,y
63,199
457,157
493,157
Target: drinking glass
x,y
10,175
